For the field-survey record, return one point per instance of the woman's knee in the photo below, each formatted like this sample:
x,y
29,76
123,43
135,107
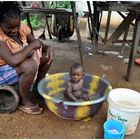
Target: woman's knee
x,y
28,66
45,61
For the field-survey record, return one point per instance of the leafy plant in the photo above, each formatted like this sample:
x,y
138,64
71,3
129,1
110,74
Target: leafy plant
x,y
60,4
36,21
63,4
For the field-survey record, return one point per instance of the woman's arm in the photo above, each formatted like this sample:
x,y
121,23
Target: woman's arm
x,y
31,38
17,58
48,50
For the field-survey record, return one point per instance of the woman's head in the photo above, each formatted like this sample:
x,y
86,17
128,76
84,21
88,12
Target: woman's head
x,y
10,17
76,72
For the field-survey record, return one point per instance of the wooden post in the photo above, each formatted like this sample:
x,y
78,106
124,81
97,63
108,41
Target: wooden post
x,y
136,38
47,23
77,31
92,31
28,18
107,26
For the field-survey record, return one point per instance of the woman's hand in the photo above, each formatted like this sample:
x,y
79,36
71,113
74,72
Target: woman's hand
x,y
35,44
50,54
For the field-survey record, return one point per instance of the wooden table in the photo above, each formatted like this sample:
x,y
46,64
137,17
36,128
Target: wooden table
x,y
133,10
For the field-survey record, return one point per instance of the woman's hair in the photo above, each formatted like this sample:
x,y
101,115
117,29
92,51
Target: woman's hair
x,y
9,9
76,66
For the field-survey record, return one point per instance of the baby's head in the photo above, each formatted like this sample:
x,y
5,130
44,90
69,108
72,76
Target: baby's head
x,y
76,72
10,17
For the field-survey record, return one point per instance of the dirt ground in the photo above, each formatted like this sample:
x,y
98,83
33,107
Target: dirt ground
x,y
48,125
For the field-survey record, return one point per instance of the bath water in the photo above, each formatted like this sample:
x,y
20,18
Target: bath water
x,y
61,96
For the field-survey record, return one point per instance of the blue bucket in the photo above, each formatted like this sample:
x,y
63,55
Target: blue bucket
x,y
113,130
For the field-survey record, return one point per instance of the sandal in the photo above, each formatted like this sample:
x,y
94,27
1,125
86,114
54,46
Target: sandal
x,y
137,61
35,110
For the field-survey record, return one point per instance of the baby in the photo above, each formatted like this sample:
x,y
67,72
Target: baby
x,y
74,87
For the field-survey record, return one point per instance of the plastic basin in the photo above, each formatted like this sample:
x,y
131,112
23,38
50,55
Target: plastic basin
x,y
52,88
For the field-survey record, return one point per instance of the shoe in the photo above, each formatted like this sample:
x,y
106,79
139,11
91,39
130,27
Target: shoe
x,y
35,110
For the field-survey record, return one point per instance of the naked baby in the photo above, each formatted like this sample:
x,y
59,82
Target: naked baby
x,y
74,87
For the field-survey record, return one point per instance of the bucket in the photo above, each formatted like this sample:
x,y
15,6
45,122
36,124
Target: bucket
x,y
113,130
124,106
9,99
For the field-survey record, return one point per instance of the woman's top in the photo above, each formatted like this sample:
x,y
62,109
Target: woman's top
x,y
12,44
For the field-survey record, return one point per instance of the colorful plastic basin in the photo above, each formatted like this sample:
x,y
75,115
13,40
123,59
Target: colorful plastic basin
x,y
52,88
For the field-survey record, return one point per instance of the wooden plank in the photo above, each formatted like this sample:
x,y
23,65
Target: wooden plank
x,y
122,15
46,10
126,41
120,29
116,6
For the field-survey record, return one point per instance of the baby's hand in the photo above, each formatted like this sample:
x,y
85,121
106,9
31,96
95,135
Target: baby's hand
x,y
85,91
75,100
86,97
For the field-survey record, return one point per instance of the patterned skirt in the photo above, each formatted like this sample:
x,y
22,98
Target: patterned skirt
x,y
8,75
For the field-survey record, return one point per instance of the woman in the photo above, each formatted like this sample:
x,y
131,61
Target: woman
x,y
22,57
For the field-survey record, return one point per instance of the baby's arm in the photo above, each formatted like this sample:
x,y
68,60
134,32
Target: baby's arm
x,y
69,91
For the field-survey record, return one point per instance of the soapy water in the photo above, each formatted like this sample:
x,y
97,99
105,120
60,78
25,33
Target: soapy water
x,y
62,97
114,131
